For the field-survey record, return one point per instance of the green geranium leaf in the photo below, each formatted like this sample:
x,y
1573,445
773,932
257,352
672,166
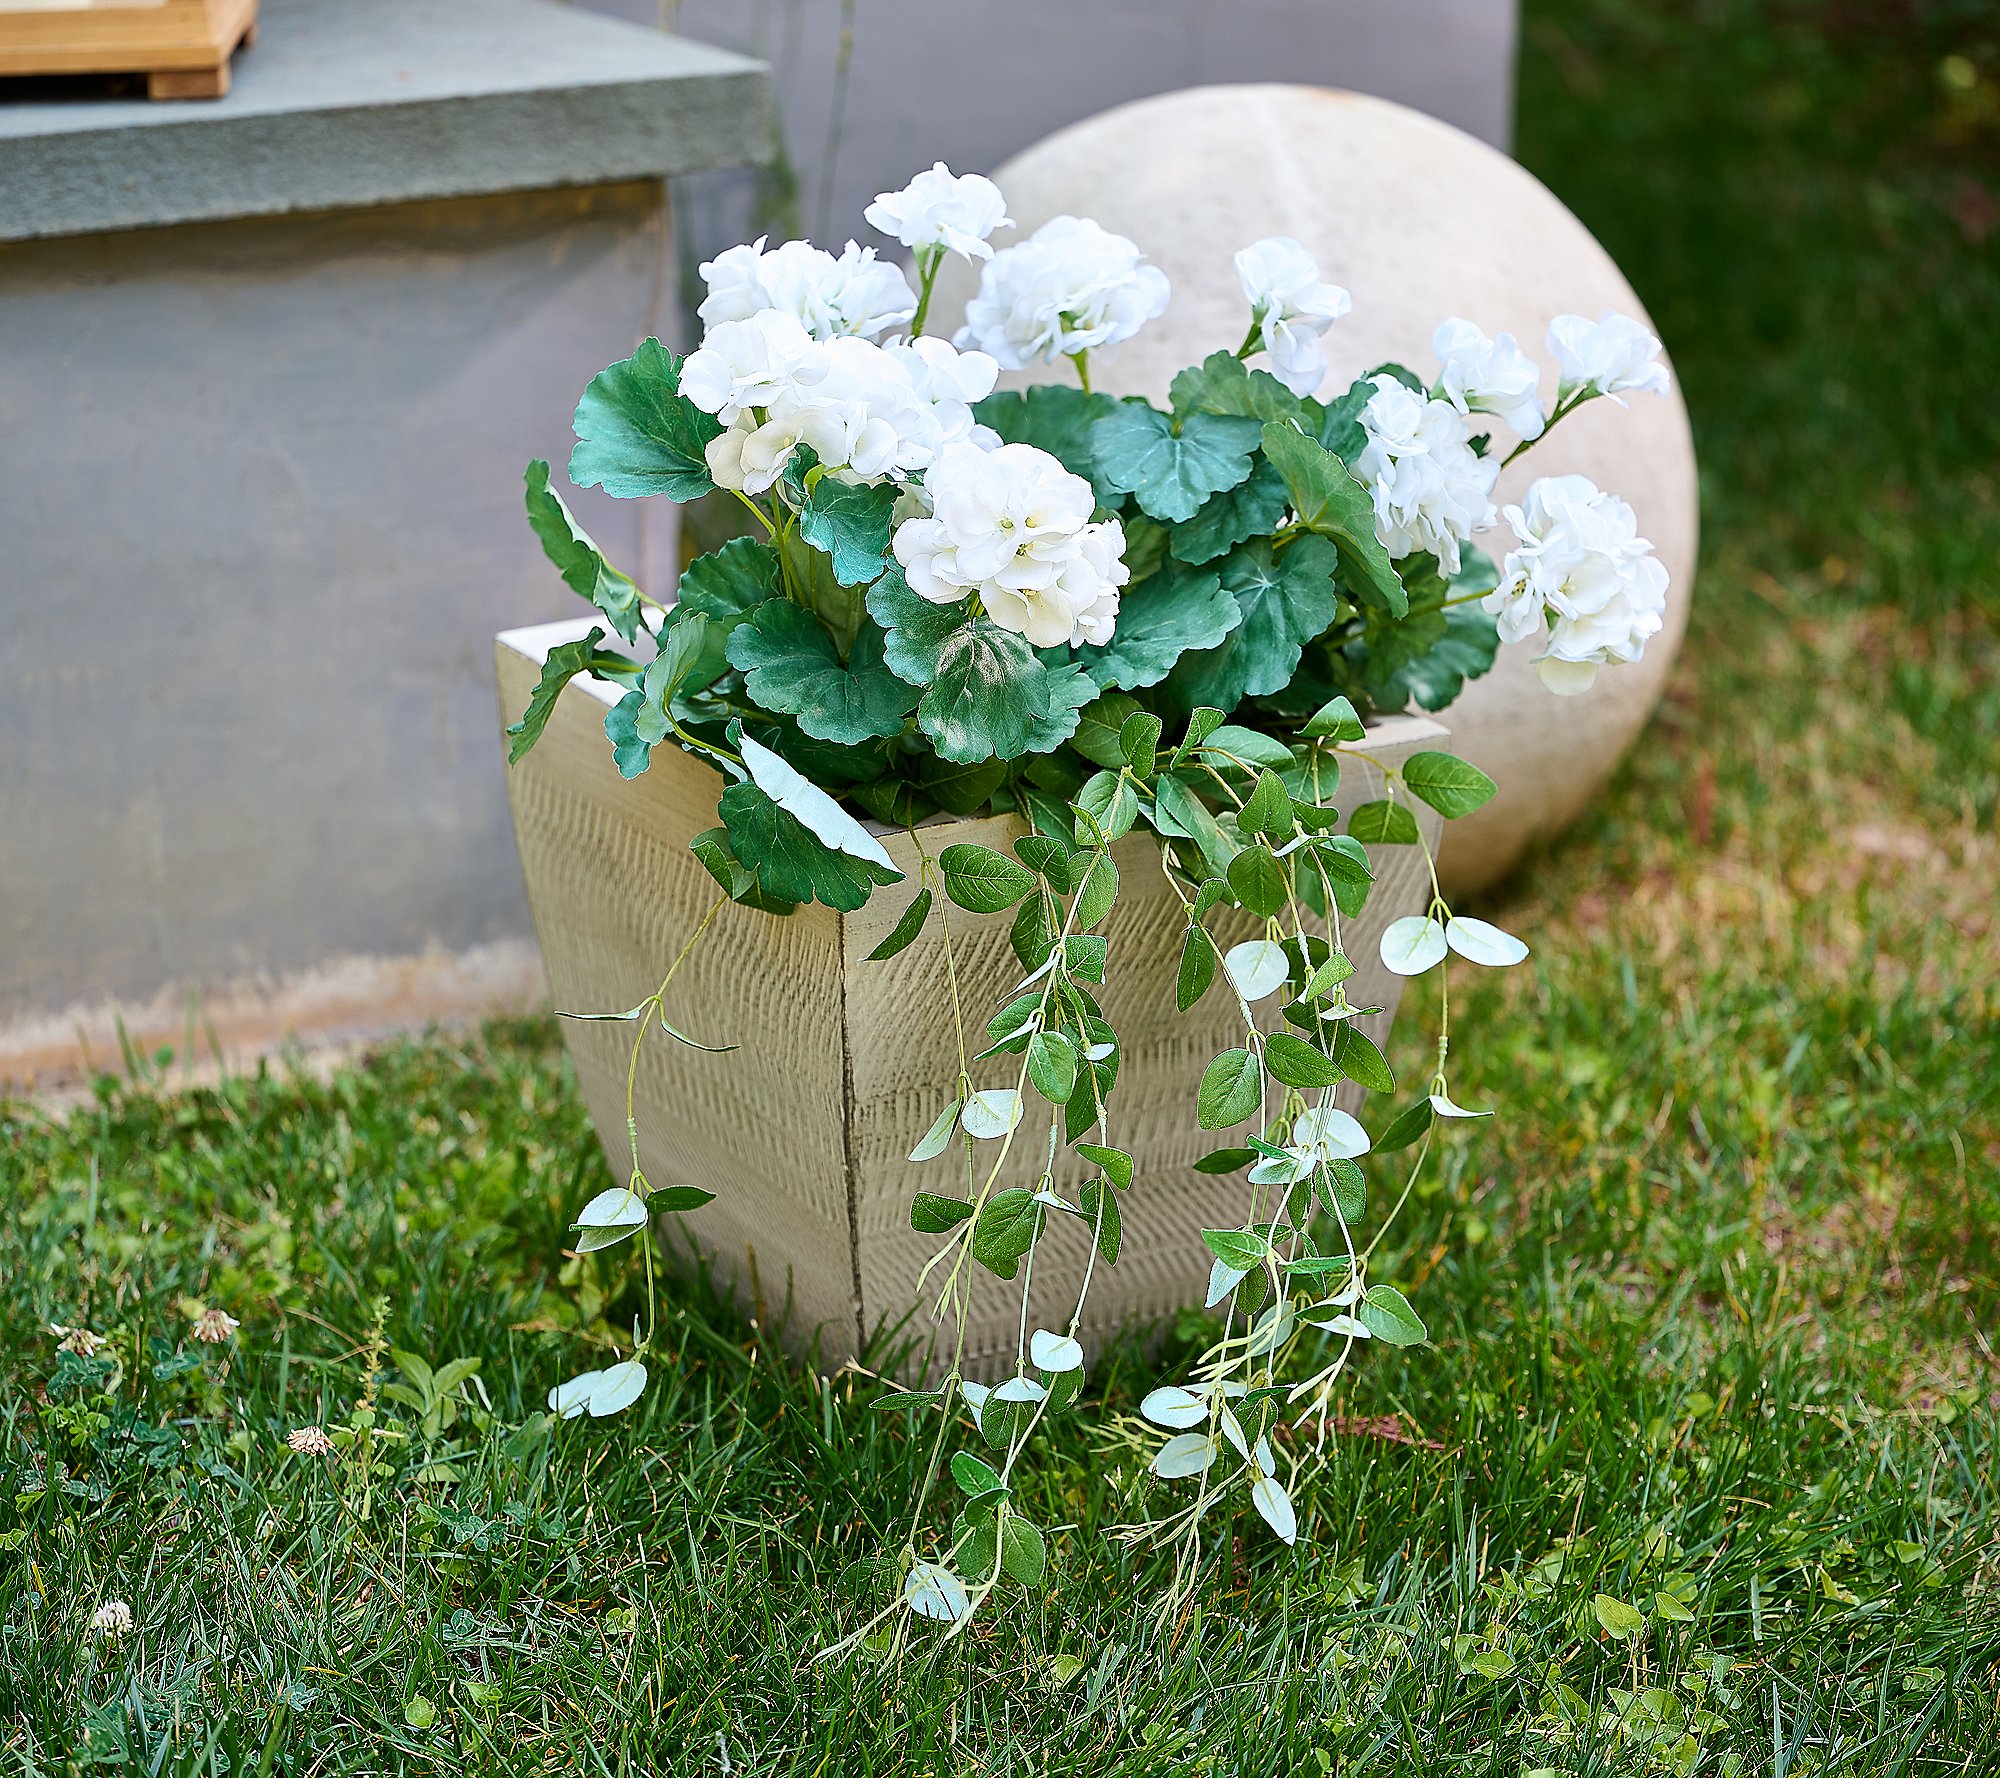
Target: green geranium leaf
x,y
987,694
1451,785
790,666
1178,610
1330,501
851,525
791,864
726,585
1283,601
1251,509
637,434
1053,417
580,562
562,664
1223,384
1146,543
962,789
1139,452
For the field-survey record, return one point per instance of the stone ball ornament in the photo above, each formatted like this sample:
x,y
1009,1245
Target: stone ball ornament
x,y
1419,222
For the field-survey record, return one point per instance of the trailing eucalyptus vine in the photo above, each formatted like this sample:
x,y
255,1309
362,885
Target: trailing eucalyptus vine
x,y
1096,614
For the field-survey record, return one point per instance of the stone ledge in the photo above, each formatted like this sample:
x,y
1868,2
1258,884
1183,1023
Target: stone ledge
x,y
347,103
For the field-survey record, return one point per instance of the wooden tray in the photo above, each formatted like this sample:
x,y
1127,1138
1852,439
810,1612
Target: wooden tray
x,y
181,46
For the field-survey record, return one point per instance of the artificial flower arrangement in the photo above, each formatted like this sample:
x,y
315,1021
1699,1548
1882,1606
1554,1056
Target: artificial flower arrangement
x,y
1097,614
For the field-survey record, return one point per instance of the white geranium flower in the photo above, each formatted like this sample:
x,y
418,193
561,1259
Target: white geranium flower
x,y
867,411
1483,376
1013,526
750,363
1290,308
1607,356
854,294
942,211
1320,1135
1432,490
950,380
1070,287
1584,570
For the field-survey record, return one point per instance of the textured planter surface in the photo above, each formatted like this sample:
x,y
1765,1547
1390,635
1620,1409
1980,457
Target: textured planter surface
x,y
802,1133
1419,221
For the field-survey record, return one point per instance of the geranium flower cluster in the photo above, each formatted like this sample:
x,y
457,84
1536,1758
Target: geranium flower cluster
x,y
1013,526
1582,568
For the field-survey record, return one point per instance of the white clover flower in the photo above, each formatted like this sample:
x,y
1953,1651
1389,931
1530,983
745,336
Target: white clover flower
x,y
855,294
941,211
1013,526
79,1340
1070,287
750,363
113,1618
866,410
309,1441
1432,490
1483,376
1325,1133
1607,356
1583,569
212,1327
1290,308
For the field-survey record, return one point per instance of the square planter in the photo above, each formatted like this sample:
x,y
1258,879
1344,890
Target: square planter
x,y
802,1133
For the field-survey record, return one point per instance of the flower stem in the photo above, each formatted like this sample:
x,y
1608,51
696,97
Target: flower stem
x,y
1082,362
927,271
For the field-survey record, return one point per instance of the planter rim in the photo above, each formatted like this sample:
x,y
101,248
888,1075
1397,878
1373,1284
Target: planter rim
x,y
536,640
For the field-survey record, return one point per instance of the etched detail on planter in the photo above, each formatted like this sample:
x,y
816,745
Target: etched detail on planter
x,y
843,1067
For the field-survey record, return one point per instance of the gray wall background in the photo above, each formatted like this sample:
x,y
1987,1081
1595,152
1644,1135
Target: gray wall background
x,y
263,484
972,82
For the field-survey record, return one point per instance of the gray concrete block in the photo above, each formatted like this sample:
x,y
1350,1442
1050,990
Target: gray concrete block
x,y
974,82
264,502
352,102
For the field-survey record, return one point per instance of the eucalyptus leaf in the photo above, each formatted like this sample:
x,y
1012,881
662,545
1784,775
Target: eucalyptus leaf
x,y
938,1138
1389,1318
933,1215
1231,1090
1383,823
1451,785
906,929
983,880
1100,1210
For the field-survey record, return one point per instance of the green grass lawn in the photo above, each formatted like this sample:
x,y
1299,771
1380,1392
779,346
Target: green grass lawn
x,y
1714,1305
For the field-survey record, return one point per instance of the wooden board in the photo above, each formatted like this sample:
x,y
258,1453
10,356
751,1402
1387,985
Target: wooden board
x,y
183,47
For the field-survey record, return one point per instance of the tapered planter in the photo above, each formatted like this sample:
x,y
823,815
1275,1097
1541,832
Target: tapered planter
x,y
843,1064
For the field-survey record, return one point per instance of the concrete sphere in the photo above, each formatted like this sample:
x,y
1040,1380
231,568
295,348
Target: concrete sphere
x,y
1419,222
